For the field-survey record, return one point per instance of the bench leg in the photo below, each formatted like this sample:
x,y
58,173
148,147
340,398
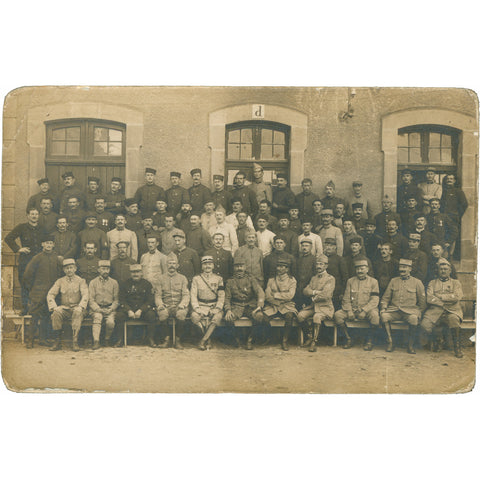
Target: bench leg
x,y
125,334
23,330
300,336
335,335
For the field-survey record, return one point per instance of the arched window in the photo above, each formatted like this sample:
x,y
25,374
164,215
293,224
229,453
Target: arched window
x,y
263,142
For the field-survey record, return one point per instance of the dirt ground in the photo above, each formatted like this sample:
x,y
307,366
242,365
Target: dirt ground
x,y
226,369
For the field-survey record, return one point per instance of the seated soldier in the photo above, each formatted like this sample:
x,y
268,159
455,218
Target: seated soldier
x,y
403,300
320,289
360,302
443,307
73,292
244,297
279,296
103,301
172,299
207,297
137,303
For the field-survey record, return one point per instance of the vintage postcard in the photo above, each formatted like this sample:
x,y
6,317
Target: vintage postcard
x,y
239,239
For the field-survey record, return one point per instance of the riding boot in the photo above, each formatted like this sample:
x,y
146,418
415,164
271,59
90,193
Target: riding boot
x,y
348,340
248,345
316,331
307,333
457,347
388,331
205,338
31,334
411,339
118,330
75,346
57,341
286,333
369,340
151,335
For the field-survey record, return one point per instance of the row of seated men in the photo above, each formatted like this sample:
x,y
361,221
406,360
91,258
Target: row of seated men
x,y
208,299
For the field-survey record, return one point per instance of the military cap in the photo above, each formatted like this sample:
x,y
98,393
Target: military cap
x,y
370,221
307,180
443,261
43,180
294,207
218,177
257,165
90,215
262,217
48,237
150,170
237,199
67,174
357,205
284,261
171,257
193,171
207,259
330,241
386,198
136,267
361,263
93,179
146,215
307,219
357,183
419,215
73,195
347,218
405,261
406,170
306,240
68,261
238,261
278,237
283,216
180,234
415,236
431,169
218,233
196,213
330,184
130,201
321,259
125,242
176,174
104,263
152,235
410,196
116,179
326,211
355,240
282,175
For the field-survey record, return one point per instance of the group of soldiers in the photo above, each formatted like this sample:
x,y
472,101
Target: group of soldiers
x,y
253,251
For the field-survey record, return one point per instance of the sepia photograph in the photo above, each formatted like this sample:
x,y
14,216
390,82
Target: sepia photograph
x,y
239,239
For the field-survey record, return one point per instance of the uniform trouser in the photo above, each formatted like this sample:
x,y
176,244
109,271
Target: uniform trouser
x,y
430,320
288,317
97,318
307,313
148,316
240,311
22,266
40,317
204,321
372,317
172,312
393,317
62,313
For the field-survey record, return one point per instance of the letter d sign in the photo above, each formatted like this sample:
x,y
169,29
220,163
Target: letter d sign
x,y
258,111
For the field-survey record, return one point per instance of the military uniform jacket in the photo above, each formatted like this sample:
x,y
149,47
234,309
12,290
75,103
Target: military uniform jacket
x,y
207,292
66,244
115,202
115,235
262,191
87,268
404,191
332,232
175,197
445,297
443,227
146,196
159,219
67,192
399,244
253,258
199,239
360,295
284,198
306,269
73,291
29,236
103,294
385,271
279,295
453,202
120,269
419,263
291,241
382,219
222,261
304,203
98,237
48,223
270,264
320,289
41,273
172,291
133,222
248,197
188,262
154,265
222,198
432,269
104,220
243,291
407,296
199,196
338,269
136,295
35,200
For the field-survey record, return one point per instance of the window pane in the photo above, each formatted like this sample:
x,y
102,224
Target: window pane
x,y
266,151
403,155
59,134
446,155
446,141
246,152
233,152
58,148
73,133
434,139
279,138
414,139
434,155
73,148
279,151
246,135
415,156
115,149
100,134
100,148
234,136
403,140
115,135
267,136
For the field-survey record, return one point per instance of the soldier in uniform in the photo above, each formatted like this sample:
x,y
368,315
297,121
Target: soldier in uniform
x,y
197,237
437,252
427,238
317,247
403,300
199,193
188,259
167,235
242,228
160,214
153,262
105,220
45,192
73,292
222,259
441,225
176,195
137,301
260,188
147,195
371,240
279,296
133,219
246,194
418,257
305,198
360,302
295,222
398,242
120,233
208,217
430,189
120,265
330,200
386,267
407,189
237,207
103,293
381,219
207,298
87,264
70,190
288,235
230,240
41,273
320,290
357,196
409,214
443,307
66,242
338,269
265,210
75,214
252,256
306,269
271,260
220,197
145,232
47,219
330,231
244,297
92,234
115,198
172,299
282,198
93,191
355,254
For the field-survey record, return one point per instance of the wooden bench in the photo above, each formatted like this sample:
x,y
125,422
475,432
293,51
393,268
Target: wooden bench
x,y
20,322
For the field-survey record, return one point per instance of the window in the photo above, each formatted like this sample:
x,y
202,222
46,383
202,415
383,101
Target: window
x,y
266,143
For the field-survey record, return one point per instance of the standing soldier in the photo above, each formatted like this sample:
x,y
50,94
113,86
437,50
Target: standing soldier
x,y
260,188
45,192
244,297
222,259
73,292
120,265
115,198
382,218
283,197
443,298
305,198
252,256
207,298
357,196
120,233
92,234
103,294
430,189
360,303
408,189
87,264
93,191
330,200
403,300
279,296
320,289
188,259
47,219
199,193
105,219
154,263
172,299
41,273
70,190
136,302
219,196
133,219
176,195
147,195
66,242
246,194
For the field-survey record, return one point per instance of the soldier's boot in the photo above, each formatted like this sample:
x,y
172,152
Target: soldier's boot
x,y
316,332
411,339
118,330
178,344
31,335
75,347
249,345
307,334
57,341
388,331
348,339
165,343
202,344
369,340
286,333
438,340
108,335
96,345
457,347
151,335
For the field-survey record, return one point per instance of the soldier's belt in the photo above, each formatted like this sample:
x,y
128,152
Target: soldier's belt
x,y
207,301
